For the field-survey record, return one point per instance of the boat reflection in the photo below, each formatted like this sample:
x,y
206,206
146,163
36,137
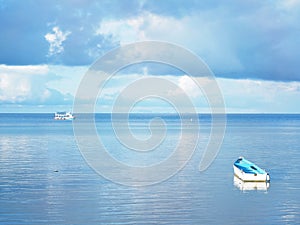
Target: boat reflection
x,y
250,186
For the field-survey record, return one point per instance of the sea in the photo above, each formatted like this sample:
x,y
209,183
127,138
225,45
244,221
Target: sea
x,y
45,178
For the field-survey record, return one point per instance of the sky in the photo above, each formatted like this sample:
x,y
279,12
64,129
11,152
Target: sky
x,y
252,47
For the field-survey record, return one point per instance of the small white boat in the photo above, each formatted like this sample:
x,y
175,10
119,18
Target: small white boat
x,y
64,116
248,171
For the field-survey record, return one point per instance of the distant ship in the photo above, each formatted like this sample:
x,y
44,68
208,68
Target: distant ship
x,y
64,116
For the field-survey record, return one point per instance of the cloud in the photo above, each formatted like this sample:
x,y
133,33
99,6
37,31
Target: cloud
x,y
16,84
137,28
194,32
56,39
247,95
245,39
240,95
55,86
24,41
289,4
235,44
27,85
187,85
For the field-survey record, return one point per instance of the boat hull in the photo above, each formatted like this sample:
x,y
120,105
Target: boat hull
x,y
69,118
250,186
249,176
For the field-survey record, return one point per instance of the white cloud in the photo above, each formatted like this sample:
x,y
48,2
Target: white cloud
x,y
25,70
27,85
247,95
117,84
126,31
56,40
139,28
16,82
194,32
190,87
289,4
13,89
243,95
234,43
186,85
69,78
36,85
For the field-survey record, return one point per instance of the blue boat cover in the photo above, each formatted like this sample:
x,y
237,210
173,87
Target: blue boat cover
x,y
248,167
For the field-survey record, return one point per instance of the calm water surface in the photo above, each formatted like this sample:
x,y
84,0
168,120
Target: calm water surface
x,y
45,180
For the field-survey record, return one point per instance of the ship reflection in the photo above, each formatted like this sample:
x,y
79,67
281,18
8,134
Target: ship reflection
x,y
250,186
